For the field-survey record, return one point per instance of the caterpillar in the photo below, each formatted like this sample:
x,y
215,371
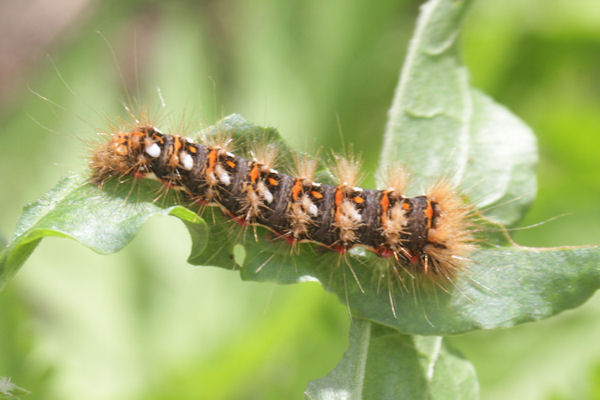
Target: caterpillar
x,y
430,234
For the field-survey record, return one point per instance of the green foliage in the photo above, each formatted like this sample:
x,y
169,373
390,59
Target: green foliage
x,y
76,209
381,363
438,125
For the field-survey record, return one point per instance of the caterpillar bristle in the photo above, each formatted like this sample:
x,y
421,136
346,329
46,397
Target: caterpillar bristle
x,y
347,170
304,167
266,154
221,140
396,178
450,236
113,158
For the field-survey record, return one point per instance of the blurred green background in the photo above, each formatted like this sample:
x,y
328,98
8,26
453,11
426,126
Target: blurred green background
x,y
142,324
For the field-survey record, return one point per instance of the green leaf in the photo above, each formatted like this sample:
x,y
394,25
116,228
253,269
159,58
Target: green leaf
x,y
103,220
439,126
381,363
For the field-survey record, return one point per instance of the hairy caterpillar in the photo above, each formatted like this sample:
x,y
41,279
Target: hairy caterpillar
x,y
430,234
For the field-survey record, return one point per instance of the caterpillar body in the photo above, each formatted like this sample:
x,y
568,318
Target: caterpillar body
x,y
430,234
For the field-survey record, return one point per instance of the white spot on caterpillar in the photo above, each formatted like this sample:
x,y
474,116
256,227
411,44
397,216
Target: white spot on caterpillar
x,y
153,150
222,175
309,206
354,214
268,196
225,179
264,192
348,221
186,160
349,211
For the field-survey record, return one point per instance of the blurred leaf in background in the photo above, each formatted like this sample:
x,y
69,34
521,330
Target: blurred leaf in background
x,y
143,324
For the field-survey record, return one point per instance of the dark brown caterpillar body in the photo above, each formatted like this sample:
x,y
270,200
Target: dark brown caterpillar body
x,y
429,232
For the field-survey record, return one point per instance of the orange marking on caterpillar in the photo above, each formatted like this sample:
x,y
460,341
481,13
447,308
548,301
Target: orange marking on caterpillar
x,y
273,182
212,161
254,173
177,144
316,195
339,196
158,139
296,189
429,213
230,163
174,159
358,200
385,204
